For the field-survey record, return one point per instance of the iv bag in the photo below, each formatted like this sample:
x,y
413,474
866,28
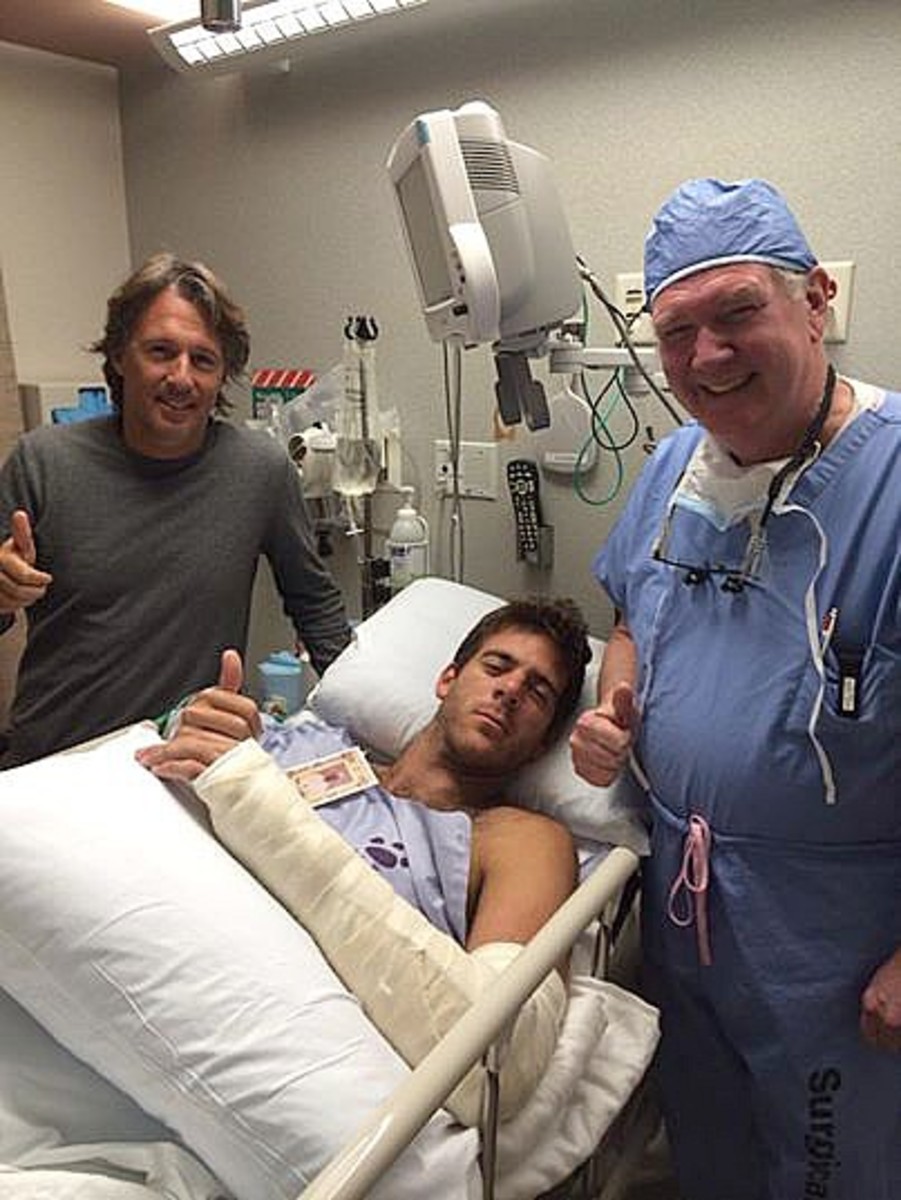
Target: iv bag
x,y
357,451
357,465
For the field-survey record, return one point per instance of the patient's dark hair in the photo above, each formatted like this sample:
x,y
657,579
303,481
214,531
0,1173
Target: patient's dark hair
x,y
194,282
561,621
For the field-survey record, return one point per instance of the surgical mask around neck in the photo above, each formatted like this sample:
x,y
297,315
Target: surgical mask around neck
x,y
721,491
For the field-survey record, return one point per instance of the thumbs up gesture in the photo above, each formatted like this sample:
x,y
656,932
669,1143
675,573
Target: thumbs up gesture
x,y
231,673
21,583
209,724
603,736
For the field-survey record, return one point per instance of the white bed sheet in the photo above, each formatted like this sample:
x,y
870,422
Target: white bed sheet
x,y
64,1129
608,1039
17,1183
152,955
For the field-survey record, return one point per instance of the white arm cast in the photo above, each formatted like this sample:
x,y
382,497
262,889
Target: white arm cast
x,y
413,981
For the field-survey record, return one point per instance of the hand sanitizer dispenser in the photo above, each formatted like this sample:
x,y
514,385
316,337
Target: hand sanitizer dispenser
x,y
407,547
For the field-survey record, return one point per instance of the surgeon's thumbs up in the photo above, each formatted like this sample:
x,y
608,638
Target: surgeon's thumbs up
x,y
231,671
623,711
602,736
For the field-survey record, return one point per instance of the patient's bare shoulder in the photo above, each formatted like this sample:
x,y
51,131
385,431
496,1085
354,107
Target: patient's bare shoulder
x,y
508,822
523,867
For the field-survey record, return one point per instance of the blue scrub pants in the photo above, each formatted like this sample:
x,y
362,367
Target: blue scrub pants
x,y
769,1090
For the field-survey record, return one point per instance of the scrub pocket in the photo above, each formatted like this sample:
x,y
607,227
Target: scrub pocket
x,y
861,738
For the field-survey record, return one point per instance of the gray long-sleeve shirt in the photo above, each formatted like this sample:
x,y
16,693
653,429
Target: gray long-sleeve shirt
x,y
153,564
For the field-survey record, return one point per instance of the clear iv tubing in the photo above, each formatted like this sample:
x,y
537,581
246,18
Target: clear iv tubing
x,y
453,371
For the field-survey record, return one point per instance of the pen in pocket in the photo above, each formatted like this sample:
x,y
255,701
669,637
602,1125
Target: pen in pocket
x,y
827,629
849,667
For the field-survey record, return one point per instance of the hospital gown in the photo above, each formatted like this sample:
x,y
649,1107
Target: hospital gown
x,y
786,753
423,853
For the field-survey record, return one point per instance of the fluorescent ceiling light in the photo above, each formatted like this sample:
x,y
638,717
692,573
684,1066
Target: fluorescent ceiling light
x,y
270,29
163,10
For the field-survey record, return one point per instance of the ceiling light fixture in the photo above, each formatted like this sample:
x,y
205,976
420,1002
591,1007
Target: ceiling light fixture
x,y
266,31
220,16
163,10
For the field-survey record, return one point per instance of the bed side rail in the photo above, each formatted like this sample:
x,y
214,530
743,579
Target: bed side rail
x,y
353,1172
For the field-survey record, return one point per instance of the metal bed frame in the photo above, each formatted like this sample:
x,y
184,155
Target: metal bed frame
x,y
480,1035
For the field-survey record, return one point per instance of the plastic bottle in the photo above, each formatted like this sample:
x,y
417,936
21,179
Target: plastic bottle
x,y
407,546
284,683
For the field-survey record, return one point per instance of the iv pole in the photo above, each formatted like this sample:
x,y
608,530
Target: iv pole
x,y
373,570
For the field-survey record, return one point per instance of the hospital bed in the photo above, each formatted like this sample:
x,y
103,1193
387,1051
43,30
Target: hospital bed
x,y
184,1064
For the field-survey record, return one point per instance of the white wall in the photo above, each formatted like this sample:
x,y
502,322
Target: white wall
x,y
63,231
278,181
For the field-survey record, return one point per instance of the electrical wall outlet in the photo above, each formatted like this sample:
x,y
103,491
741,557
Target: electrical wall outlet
x,y
477,470
839,317
629,299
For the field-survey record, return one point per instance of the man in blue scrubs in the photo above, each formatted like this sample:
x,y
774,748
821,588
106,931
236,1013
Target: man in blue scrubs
x,y
754,676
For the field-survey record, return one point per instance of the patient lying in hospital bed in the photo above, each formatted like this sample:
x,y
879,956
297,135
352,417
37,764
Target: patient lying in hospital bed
x,y
161,1064
513,683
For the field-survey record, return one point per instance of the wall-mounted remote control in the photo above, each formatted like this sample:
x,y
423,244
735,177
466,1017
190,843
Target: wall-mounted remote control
x,y
522,479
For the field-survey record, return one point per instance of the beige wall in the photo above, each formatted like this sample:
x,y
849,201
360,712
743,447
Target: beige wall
x,y
10,426
10,413
278,181
63,234
63,228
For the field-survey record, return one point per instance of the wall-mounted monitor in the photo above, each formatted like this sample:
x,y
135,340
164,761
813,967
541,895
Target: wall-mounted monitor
x,y
485,229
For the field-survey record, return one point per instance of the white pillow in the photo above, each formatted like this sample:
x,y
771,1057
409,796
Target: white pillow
x,y
382,689
144,948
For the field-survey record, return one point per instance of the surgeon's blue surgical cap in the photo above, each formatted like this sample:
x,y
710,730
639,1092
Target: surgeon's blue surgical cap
x,y
708,223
